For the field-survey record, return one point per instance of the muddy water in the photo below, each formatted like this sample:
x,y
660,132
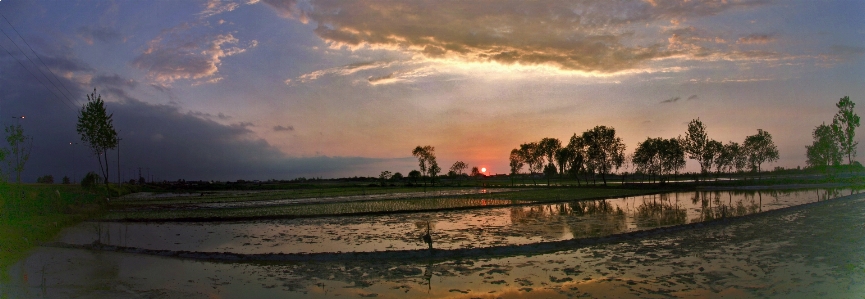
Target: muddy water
x,y
449,230
817,252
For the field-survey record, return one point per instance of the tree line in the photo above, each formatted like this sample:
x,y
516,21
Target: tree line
x,y
599,151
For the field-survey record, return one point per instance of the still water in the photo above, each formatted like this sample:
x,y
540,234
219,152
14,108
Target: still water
x,y
473,228
816,252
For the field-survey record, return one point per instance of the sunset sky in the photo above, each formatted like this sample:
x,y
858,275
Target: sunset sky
x,y
267,89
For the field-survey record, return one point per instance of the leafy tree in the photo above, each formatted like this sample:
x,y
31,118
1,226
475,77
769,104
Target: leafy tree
x,y
548,148
605,151
672,156
96,128
711,153
695,143
533,156
726,159
414,175
476,172
427,160
824,151
396,177
563,159
66,180
759,149
458,168
740,157
46,179
517,161
647,158
90,180
659,156
844,124
577,148
19,149
383,177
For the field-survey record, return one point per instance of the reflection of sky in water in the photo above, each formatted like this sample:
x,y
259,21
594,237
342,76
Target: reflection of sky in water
x,y
809,253
450,229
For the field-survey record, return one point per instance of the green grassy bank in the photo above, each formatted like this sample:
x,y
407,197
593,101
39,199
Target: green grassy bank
x,y
31,214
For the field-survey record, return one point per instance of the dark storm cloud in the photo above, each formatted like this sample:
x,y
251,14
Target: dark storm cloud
x,y
99,33
594,36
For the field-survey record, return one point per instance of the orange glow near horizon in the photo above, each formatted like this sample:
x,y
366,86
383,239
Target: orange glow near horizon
x,y
483,169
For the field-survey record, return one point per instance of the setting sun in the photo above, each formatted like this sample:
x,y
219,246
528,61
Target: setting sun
x,y
483,169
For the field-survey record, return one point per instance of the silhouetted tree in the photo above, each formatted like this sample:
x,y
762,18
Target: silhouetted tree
x,y
711,152
97,130
414,175
549,147
19,149
695,143
647,157
516,161
604,150
844,124
577,148
564,156
427,160
458,168
396,177
383,177
760,148
740,157
659,156
533,157
825,150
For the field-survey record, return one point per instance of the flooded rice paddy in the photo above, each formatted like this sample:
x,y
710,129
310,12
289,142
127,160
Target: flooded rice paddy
x,y
818,251
459,229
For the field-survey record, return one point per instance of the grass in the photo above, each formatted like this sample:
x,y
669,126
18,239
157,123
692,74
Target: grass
x,y
526,196
31,214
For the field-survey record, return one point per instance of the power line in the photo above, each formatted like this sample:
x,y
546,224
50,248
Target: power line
x,y
38,57
37,68
37,78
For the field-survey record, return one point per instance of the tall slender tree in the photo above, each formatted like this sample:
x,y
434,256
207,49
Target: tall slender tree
x,y
695,143
844,124
96,128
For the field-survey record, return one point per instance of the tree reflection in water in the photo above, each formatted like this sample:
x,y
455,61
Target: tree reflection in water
x,y
660,211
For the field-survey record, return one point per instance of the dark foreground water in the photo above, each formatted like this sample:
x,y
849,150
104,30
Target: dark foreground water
x,y
812,252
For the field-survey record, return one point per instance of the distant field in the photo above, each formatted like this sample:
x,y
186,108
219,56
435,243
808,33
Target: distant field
x,y
183,207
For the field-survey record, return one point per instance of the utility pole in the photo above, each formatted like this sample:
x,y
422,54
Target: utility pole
x,y
119,180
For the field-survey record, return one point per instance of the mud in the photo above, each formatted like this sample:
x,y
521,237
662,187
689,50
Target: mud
x,y
814,252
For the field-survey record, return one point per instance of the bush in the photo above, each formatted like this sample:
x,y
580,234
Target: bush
x,y
48,179
66,180
90,181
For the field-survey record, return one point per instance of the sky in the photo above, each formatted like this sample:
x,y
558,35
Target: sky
x,y
268,89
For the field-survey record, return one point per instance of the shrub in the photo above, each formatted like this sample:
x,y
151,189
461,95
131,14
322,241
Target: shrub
x,y
66,180
90,180
48,179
